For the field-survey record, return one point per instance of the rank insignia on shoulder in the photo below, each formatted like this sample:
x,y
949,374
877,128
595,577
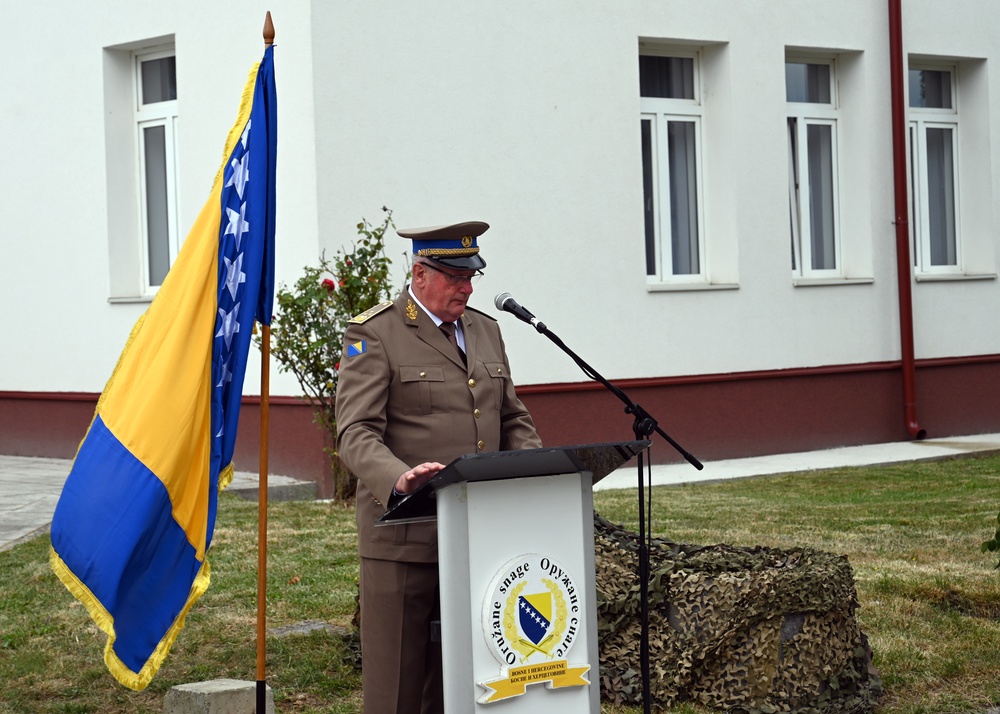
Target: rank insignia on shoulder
x,y
370,313
357,348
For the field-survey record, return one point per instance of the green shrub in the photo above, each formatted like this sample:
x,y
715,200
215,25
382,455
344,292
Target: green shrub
x,y
307,329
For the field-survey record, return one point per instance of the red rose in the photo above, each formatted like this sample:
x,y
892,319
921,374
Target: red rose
x,y
329,285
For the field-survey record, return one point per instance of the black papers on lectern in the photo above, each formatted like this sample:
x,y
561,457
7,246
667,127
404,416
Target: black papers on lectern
x,y
596,459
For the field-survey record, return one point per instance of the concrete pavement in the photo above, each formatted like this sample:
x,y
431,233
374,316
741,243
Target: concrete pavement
x,y
30,487
868,455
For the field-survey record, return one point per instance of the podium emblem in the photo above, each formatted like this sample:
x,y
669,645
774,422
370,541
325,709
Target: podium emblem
x,y
532,614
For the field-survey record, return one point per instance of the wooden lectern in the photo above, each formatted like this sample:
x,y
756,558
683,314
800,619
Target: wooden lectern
x,y
516,567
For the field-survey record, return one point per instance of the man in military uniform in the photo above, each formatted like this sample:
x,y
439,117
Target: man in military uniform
x,y
412,397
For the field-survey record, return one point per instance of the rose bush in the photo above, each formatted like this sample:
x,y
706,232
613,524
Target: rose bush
x,y
308,326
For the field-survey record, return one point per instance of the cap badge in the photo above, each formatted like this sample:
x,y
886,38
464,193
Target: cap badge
x,y
466,241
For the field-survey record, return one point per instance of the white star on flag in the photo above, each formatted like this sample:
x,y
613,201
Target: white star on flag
x,y
246,134
238,224
234,274
229,326
227,376
241,173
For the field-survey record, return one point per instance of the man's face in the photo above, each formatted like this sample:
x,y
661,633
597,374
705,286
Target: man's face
x,y
443,291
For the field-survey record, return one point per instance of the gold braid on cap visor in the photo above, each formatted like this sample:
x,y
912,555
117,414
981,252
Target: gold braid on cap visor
x,y
433,252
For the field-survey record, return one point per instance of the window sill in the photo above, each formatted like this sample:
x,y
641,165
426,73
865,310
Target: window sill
x,y
811,282
946,277
125,300
684,287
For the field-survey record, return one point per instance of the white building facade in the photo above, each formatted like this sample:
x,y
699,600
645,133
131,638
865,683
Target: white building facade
x,y
699,197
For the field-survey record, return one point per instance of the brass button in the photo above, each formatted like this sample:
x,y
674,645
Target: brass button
x,y
423,374
472,383
499,370
477,413
481,445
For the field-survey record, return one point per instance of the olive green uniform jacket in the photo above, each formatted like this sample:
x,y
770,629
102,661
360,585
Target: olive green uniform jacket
x,y
405,397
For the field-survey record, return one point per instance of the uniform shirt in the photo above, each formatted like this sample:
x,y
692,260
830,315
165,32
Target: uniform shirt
x,y
404,397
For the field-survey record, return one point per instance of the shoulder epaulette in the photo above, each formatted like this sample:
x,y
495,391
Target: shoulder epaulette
x,y
370,313
480,312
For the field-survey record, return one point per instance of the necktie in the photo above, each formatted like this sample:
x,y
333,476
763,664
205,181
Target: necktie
x,y
448,328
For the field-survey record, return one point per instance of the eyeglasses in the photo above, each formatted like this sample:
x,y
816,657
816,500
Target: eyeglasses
x,y
456,280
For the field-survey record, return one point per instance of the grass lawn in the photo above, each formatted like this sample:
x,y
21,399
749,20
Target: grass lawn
x,y
930,600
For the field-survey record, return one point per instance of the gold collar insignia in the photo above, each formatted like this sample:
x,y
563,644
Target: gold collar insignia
x,y
411,309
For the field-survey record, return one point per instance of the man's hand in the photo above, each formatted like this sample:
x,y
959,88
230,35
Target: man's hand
x,y
417,476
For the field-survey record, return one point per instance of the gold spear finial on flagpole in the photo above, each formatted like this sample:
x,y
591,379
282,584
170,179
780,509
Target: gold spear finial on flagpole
x,y
268,31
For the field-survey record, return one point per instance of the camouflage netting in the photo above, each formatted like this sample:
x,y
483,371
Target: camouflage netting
x,y
743,630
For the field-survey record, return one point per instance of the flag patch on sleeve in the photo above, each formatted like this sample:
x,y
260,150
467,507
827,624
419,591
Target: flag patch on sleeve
x,y
357,348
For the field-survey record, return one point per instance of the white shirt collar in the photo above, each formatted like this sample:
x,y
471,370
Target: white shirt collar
x,y
437,320
459,332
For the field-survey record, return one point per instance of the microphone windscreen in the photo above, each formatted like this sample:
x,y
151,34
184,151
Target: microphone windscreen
x,y
500,299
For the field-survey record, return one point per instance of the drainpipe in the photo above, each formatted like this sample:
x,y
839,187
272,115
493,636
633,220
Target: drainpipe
x,y
903,260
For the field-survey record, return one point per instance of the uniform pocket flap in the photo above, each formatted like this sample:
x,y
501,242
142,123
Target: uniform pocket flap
x,y
497,370
429,373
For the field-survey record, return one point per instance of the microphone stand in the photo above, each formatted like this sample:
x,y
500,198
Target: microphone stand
x,y
643,426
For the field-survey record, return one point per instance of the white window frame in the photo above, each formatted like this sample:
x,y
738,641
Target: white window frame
x,y
802,115
660,112
163,114
920,120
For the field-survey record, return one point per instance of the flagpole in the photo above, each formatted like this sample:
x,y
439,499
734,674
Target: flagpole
x,y
265,416
265,357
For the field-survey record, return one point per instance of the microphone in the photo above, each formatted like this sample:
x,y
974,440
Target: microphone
x,y
507,303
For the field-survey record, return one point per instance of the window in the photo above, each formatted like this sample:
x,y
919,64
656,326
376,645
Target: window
x,y
141,148
671,117
810,91
934,170
155,126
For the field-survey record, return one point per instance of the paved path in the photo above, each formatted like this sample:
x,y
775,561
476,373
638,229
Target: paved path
x,y
30,487
870,455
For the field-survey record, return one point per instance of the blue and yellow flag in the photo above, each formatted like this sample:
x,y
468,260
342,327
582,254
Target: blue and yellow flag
x,y
136,515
